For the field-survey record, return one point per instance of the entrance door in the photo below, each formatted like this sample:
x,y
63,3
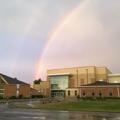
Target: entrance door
x,y
57,93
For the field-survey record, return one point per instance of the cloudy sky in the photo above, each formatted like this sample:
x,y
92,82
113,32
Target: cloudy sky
x,y
37,35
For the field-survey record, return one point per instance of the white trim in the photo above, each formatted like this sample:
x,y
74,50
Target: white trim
x,y
2,89
112,75
59,74
3,79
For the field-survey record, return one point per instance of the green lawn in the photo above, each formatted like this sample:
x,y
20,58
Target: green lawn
x,y
87,105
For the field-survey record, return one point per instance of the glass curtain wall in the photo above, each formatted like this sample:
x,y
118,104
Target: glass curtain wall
x,y
59,82
58,85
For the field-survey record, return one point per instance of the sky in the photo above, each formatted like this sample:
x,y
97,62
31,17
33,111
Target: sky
x,y
37,35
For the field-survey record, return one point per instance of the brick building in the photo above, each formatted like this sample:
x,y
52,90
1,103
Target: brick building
x,y
65,82
88,81
11,87
100,89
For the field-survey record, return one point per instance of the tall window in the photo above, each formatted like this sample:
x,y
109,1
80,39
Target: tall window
x,y
93,94
75,92
100,94
110,94
83,94
68,92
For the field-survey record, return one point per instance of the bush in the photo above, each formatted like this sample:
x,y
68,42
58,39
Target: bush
x,y
37,96
13,97
1,97
37,81
20,96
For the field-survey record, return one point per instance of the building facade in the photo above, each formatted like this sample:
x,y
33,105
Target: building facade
x,y
70,79
100,89
11,87
114,78
42,87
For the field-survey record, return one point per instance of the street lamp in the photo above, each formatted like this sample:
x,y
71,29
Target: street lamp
x,y
87,75
77,77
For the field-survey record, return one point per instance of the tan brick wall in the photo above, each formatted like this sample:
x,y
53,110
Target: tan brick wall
x,y
43,87
71,82
72,92
64,70
82,75
86,75
102,73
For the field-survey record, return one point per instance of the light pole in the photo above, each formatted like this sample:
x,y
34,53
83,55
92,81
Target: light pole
x,y
78,87
87,75
77,77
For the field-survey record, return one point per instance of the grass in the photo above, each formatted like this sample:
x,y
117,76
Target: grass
x,y
85,105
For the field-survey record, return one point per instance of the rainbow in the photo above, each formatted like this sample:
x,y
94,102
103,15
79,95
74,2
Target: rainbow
x,y
53,36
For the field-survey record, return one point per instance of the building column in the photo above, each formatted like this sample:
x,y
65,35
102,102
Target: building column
x,y
118,91
77,78
80,92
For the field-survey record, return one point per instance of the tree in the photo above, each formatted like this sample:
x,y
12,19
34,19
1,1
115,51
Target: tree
x,y
37,81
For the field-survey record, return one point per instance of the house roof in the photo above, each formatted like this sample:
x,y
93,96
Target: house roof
x,y
11,80
101,83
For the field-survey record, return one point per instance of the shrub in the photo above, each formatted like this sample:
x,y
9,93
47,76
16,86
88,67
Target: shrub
x,y
1,97
37,96
13,97
20,96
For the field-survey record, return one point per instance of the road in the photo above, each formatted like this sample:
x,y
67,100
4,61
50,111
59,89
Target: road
x,y
31,114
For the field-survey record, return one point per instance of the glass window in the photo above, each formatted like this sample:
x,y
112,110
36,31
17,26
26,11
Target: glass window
x,y
68,92
75,92
110,94
84,94
100,94
93,94
54,86
59,82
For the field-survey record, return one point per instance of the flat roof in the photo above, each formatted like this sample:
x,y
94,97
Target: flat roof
x,y
78,67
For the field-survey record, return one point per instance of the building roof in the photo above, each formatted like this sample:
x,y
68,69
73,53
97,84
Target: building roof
x,y
11,80
101,83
